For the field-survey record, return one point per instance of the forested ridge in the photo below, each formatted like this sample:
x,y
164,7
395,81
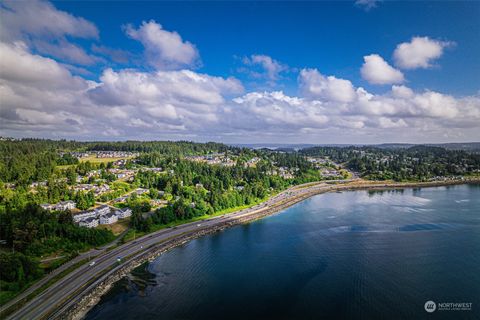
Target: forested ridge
x,y
418,163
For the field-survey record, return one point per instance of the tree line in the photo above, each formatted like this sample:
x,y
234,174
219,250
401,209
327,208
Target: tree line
x,y
400,164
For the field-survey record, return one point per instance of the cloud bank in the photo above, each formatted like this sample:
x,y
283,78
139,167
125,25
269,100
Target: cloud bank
x,y
42,96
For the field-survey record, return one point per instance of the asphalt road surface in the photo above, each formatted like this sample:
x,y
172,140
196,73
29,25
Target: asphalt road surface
x,y
67,291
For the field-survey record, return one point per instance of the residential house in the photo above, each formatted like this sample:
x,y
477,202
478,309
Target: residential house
x,y
120,199
47,206
140,191
158,202
65,205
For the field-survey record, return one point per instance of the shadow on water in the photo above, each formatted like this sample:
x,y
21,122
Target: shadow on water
x,y
135,283
386,191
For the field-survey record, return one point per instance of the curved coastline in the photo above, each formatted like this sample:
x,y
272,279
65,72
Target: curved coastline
x,y
78,303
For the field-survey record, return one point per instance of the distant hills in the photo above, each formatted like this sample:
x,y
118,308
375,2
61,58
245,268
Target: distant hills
x,y
466,146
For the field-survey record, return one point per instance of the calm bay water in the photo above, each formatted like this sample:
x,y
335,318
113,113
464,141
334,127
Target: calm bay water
x,y
354,255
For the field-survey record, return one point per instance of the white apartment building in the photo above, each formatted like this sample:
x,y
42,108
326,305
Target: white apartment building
x,y
89,223
125,213
108,218
65,205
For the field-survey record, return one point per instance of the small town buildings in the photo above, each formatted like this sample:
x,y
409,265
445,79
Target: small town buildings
x,y
89,223
101,189
80,155
125,213
38,184
140,191
102,210
120,163
120,199
84,216
153,169
65,205
115,154
108,218
101,215
158,202
47,206
252,162
61,206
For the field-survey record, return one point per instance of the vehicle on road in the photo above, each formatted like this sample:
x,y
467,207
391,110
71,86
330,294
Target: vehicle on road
x,y
91,264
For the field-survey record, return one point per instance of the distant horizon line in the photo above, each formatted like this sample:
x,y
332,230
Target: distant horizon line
x,y
3,138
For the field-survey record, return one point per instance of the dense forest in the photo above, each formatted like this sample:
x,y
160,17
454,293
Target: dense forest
x,y
30,232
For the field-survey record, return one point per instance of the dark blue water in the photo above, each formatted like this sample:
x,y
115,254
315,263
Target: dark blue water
x,y
351,255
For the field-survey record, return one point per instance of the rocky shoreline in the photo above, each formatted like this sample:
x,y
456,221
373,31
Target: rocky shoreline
x,y
101,286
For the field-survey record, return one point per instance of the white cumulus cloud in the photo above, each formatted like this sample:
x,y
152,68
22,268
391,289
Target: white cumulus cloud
x,y
315,85
271,67
163,49
41,18
419,52
377,71
41,26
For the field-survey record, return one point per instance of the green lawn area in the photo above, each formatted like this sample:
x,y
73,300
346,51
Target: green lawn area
x,y
64,167
94,159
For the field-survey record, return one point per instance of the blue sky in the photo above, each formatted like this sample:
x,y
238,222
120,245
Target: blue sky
x,y
317,72
330,36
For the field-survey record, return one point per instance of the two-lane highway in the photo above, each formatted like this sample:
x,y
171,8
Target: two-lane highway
x,y
68,290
